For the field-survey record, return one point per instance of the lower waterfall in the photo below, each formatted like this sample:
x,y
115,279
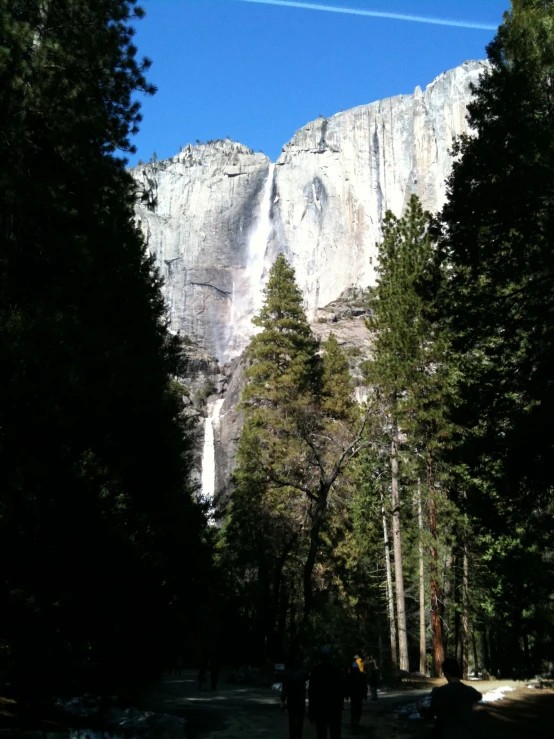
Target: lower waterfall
x,y
208,454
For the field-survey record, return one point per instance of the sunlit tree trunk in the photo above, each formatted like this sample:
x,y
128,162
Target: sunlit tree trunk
x,y
390,593
422,639
476,665
465,615
446,599
438,652
404,662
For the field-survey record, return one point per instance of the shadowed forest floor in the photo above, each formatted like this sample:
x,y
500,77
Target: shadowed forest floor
x,y
239,711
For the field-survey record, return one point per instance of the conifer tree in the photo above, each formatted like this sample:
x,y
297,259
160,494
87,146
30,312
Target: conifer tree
x,y
302,428
97,518
390,370
495,269
284,355
410,370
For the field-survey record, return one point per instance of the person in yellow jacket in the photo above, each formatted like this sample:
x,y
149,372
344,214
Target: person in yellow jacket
x,y
360,662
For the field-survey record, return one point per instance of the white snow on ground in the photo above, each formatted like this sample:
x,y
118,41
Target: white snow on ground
x,y
411,708
121,723
491,697
496,695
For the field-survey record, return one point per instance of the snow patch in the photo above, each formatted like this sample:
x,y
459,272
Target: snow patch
x,y
496,695
412,708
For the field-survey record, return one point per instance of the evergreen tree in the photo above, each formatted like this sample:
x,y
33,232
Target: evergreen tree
x,y
395,352
411,371
301,431
494,267
284,355
97,522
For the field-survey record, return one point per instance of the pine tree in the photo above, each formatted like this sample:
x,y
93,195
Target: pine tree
x,y
92,442
494,265
395,351
411,371
301,430
284,355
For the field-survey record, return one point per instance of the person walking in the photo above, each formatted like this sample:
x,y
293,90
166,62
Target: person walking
x,y
372,672
202,670
452,705
326,697
356,692
214,669
293,695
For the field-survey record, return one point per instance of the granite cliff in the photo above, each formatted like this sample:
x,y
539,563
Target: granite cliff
x,y
221,212
216,215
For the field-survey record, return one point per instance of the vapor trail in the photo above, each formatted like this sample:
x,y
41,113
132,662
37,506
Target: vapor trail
x,y
376,14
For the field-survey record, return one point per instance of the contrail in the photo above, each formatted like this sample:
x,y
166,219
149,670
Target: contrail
x,y
376,14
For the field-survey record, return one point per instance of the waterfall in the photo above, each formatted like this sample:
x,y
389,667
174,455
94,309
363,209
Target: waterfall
x,y
257,244
247,298
208,454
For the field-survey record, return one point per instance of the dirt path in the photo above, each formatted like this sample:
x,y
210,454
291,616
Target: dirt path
x,y
238,712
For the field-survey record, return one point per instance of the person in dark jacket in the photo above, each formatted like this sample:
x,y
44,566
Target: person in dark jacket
x,y
214,669
452,705
356,691
293,696
326,696
372,673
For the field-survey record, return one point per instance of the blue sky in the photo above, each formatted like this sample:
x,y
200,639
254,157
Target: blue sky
x,y
257,72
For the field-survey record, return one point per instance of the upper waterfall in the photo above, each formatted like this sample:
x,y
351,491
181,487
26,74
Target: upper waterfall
x,y
257,244
247,301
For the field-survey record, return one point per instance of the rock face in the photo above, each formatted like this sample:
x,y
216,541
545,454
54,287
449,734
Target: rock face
x,y
221,213
338,176
204,207
216,215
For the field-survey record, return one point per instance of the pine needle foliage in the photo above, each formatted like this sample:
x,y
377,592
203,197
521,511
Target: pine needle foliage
x,y
96,508
284,355
302,428
495,276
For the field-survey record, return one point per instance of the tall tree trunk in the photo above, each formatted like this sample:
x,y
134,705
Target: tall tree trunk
x,y
476,664
422,639
278,650
465,614
458,635
265,622
438,652
486,650
446,599
276,620
404,662
317,521
390,594
527,651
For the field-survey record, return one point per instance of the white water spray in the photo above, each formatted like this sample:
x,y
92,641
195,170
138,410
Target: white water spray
x,y
257,244
247,299
208,454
